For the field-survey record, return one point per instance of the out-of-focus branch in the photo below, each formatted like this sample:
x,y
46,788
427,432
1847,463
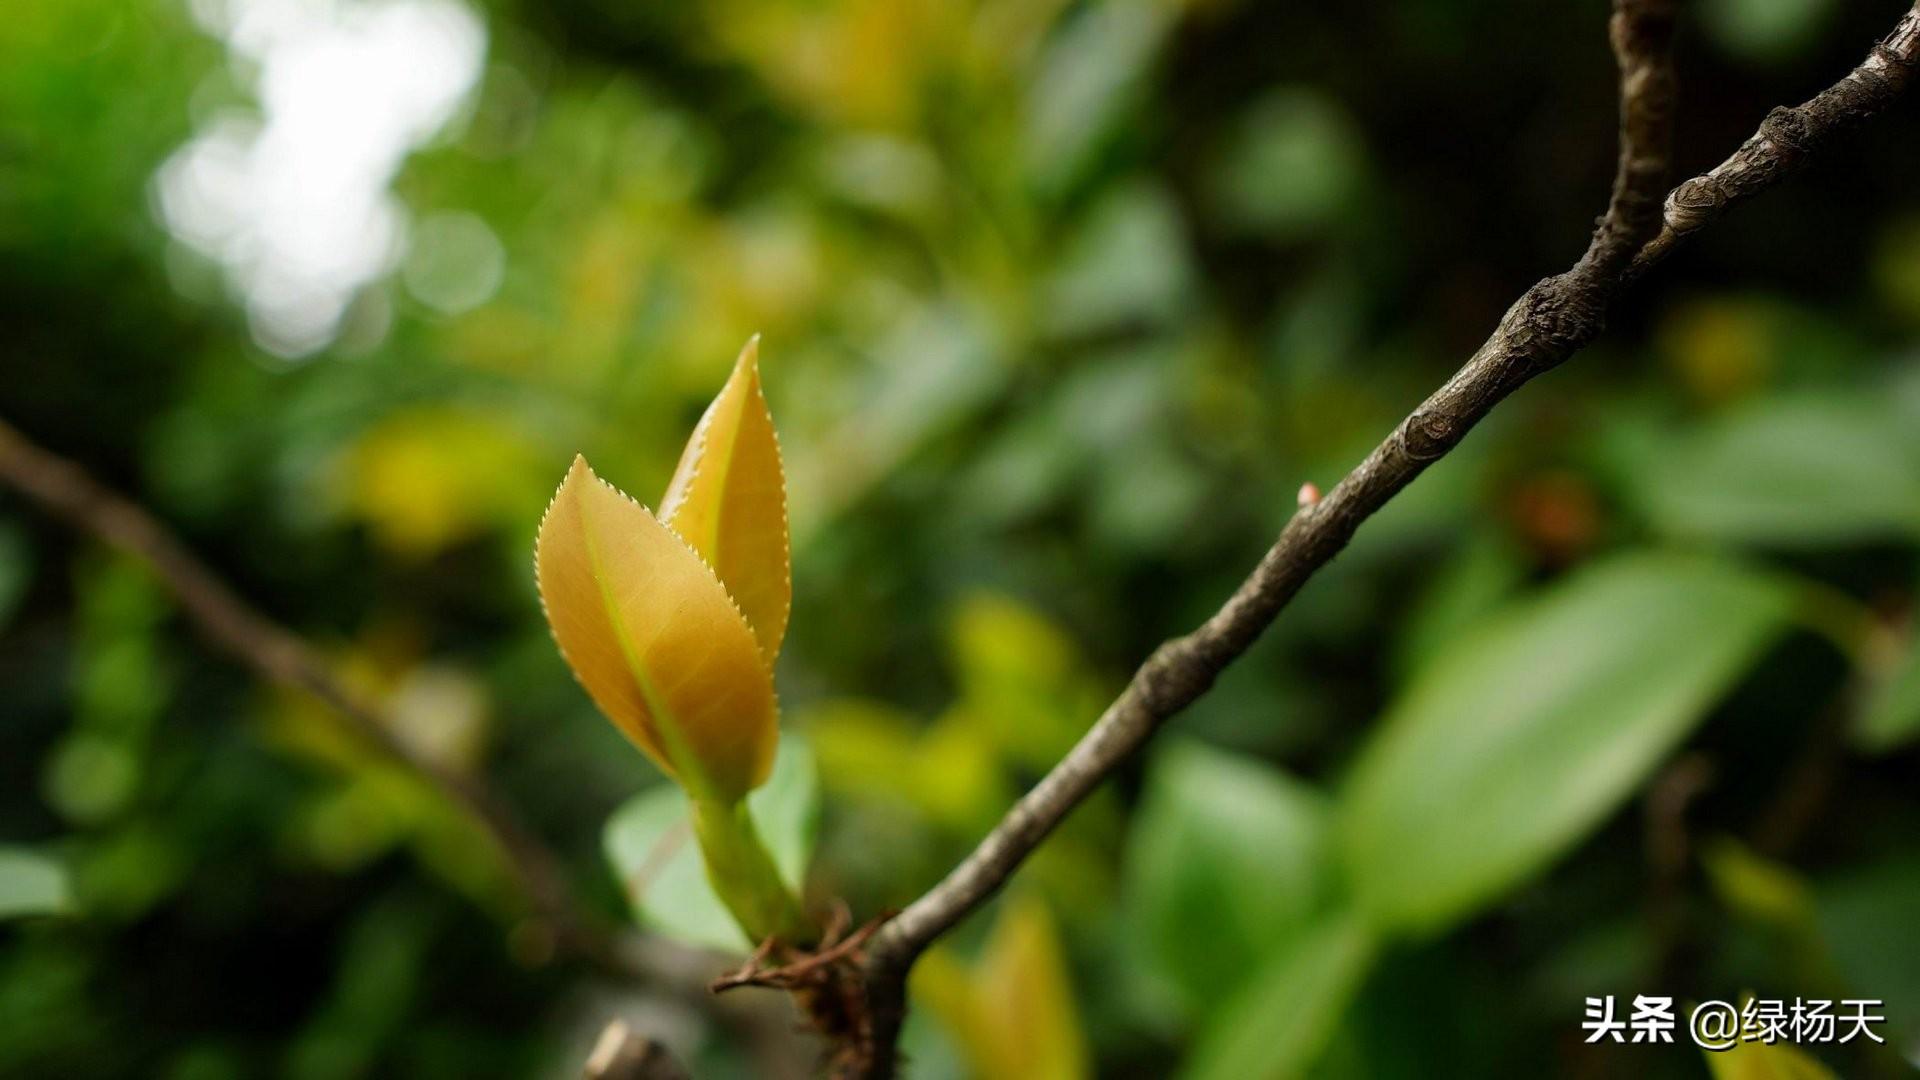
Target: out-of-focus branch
x,y
621,1055
278,655
1550,322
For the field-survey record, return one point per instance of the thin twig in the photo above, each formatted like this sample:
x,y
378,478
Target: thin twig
x,y
1670,854
1808,785
280,656
1551,321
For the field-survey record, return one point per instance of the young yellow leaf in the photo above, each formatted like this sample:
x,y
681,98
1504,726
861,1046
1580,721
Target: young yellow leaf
x,y
1029,993
728,500
1012,1014
654,638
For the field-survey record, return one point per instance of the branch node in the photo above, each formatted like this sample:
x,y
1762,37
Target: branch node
x,y
1876,83
1894,58
1694,203
1158,679
1553,318
1427,435
1787,129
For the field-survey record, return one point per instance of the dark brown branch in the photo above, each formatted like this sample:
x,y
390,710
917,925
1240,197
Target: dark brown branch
x,y
1787,139
281,657
1551,321
1641,32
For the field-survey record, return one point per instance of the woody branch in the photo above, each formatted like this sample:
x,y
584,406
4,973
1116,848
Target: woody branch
x,y
1549,323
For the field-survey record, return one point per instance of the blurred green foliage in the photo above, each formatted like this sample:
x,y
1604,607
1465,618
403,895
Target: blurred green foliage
x,y
1062,302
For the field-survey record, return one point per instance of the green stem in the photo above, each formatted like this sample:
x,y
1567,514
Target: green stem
x,y
744,876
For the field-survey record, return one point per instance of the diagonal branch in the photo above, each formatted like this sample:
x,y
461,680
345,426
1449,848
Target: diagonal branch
x,y
1551,321
1787,140
281,657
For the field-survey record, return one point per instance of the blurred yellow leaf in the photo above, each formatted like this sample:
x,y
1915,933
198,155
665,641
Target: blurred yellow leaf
x,y
997,640
1720,346
960,782
1765,1061
1013,1012
424,479
728,501
1022,680
1896,267
1757,887
947,773
856,61
653,637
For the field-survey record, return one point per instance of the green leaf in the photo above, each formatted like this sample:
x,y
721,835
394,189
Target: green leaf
x,y
1095,67
1227,861
1524,735
1293,165
1765,31
1892,715
1126,262
1806,471
1278,1024
32,884
650,843
1869,933
1473,582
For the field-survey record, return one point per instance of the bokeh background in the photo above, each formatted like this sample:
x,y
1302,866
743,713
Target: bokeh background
x,y
1062,302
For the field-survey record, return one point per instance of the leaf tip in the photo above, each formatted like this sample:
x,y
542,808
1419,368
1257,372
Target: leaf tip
x,y
747,365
